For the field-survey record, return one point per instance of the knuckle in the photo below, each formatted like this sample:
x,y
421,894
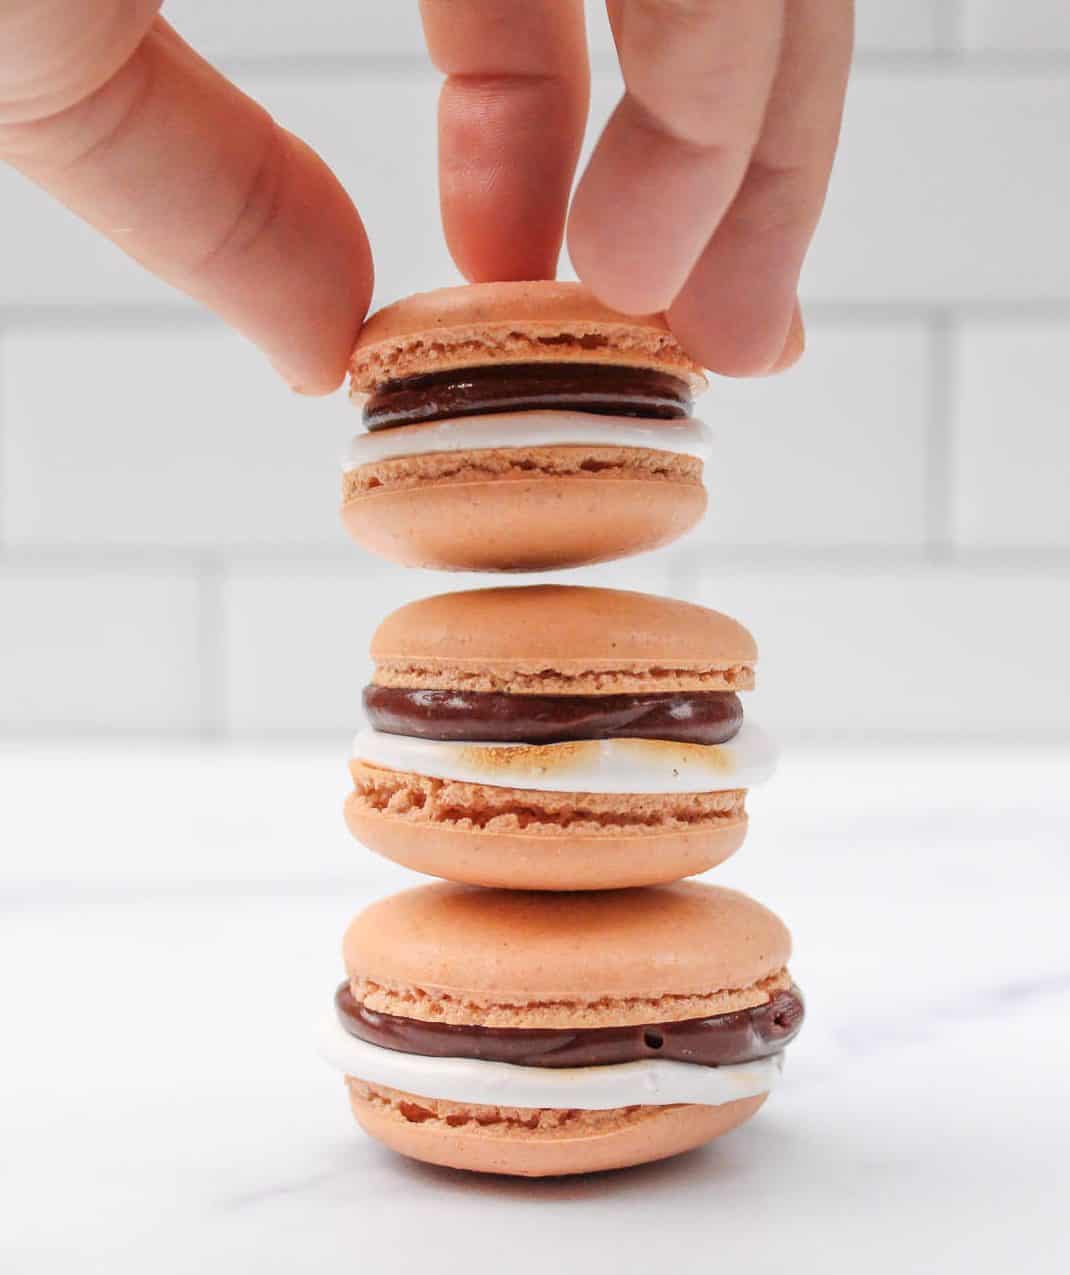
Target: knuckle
x,y
87,130
55,57
256,209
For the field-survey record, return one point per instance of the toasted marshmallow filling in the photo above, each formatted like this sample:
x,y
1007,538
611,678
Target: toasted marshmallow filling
x,y
590,765
648,1082
686,437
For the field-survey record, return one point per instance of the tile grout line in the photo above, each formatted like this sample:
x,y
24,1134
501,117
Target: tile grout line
x,y
939,440
211,664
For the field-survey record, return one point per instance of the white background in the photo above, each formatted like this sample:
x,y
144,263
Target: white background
x,y
890,519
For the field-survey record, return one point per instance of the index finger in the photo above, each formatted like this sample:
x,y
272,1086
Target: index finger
x,y
511,120
103,105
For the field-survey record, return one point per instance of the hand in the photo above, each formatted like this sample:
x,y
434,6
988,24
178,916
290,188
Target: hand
x,y
706,186
105,106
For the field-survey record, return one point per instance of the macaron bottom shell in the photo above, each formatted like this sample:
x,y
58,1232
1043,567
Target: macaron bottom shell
x,y
537,1142
572,856
519,523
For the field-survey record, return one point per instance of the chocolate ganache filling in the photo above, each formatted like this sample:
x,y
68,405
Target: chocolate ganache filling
x,y
687,717
606,389
738,1037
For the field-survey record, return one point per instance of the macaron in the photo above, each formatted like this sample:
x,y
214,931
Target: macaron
x,y
536,1034
521,427
551,737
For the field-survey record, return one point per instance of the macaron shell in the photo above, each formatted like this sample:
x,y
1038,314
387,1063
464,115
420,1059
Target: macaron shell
x,y
636,1137
510,524
571,628
548,861
520,948
541,321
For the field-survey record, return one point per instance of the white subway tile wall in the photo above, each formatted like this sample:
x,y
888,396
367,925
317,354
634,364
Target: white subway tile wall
x,y
903,650
1011,435
118,434
318,29
904,26
891,517
1014,26
849,422
942,192
87,647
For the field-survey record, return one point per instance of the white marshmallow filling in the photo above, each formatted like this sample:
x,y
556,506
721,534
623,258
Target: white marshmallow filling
x,y
687,437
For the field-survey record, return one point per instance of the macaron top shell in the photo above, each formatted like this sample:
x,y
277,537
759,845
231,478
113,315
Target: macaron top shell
x,y
486,323
461,953
561,639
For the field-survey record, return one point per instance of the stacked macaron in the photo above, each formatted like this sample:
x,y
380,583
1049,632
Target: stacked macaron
x,y
520,427
562,756
557,738
535,1033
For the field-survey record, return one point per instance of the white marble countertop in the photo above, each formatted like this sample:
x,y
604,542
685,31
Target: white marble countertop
x,y
171,925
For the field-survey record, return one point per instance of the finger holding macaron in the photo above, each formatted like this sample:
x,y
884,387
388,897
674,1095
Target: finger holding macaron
x,y
554,737
521,427
534,1034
